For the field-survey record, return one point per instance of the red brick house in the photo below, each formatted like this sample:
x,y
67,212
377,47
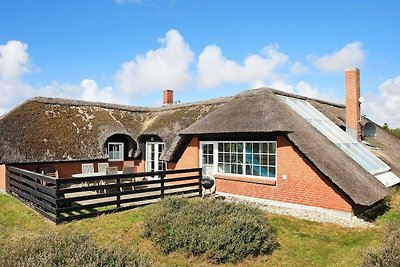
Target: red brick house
x,y
263,144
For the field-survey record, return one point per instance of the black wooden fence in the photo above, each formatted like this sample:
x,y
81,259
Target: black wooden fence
x,y
66,199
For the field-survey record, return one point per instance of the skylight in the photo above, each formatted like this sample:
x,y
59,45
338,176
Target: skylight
x,y
341,139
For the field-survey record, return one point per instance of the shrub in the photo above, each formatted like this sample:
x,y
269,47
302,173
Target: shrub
x,y
388,254
65,249
222,232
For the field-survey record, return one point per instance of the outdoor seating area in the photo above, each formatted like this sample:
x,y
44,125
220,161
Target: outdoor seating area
x,y
90,194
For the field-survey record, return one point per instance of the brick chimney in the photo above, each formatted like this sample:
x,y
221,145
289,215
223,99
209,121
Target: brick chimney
x,y
168,97
353,126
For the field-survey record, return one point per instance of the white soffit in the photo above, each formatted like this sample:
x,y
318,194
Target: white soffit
x,y
343,140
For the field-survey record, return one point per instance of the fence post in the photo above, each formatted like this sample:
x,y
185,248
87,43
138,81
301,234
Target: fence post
x,y
118,193
200,187
57,206
162,176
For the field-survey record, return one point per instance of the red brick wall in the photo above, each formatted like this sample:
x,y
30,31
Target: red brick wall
x,y
304,185
141,167
168,97
352,95
3,177
189,159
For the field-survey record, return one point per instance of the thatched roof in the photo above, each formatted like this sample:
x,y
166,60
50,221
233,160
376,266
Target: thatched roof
x,y
51,129
263,111
48,129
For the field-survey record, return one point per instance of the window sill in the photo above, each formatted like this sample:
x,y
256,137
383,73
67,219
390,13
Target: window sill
x,y
238,178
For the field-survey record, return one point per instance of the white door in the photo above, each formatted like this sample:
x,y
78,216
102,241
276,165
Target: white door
x,y
153,153
207,158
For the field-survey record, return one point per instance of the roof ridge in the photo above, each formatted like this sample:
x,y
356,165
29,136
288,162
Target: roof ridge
x,y
76,102
219,100
283,93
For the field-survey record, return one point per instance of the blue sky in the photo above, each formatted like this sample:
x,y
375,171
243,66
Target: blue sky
x,y
129,51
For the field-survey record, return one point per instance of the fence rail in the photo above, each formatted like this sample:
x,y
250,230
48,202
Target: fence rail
x,y
66,199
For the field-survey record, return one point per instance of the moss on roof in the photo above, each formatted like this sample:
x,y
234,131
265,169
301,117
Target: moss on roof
x,y
46,129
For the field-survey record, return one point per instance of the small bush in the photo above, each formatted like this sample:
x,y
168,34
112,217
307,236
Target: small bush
x,y
388,254
222,232
65,249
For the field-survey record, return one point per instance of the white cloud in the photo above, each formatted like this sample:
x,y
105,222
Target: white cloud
x,y
305,89
299,68
92,92
351,55
14,61
282,85
257,84
385,106
214,69
166,67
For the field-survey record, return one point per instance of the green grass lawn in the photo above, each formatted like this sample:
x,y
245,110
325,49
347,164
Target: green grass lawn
x,y
302,243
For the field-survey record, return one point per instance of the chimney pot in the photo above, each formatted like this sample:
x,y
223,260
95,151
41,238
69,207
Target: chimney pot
x,y
353,113
168,97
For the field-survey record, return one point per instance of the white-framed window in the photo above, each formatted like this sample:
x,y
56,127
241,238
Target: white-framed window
x,y
115,151
246,158
153,153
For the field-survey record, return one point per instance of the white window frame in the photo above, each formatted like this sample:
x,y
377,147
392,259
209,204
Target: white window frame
x,y
243,174
121,151
156,156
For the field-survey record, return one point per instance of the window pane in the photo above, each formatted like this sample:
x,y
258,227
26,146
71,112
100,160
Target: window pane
x,y
227,168
220,147
272,147
234,158
264,148
249,148
227,147
233,147
256,170
227,157
233,168
240,169
271,160
256,147
272,171
220,167
248,170
264,171
264,160
240,147
220,157
256,159
249,158
240,158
